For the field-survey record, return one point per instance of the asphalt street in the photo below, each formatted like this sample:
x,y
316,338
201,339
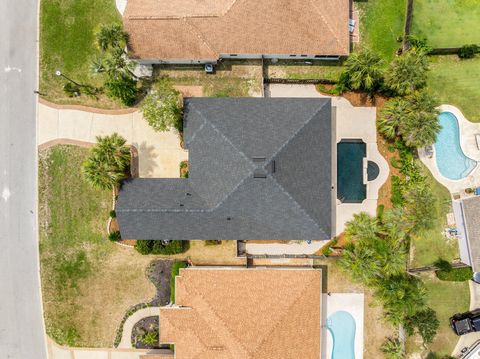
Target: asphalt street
x,y
21,320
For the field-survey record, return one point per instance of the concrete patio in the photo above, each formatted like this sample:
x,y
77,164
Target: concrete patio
x,y
468,144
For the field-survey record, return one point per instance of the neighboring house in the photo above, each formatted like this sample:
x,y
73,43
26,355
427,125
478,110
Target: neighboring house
x,y
467,218
259,168
226,313
201,31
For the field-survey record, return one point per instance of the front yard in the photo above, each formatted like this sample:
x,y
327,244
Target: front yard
x,y
67,30
447,23
87,282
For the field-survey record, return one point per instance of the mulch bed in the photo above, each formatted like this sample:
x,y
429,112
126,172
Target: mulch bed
x,y
159,273
145,325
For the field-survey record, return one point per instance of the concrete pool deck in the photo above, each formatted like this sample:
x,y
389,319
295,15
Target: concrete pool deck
x,y
351,123
352,303
468,144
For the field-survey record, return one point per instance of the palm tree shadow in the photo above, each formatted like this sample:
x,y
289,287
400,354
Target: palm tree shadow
x,y
146,159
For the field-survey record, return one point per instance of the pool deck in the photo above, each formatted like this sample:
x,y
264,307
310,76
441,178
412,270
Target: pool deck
x,y
352,303
351,123
467,130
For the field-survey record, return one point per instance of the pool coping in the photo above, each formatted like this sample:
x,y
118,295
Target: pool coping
x,y
467,131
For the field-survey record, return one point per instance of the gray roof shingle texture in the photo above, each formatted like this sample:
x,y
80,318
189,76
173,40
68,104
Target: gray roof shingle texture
x,y
471,212
288,141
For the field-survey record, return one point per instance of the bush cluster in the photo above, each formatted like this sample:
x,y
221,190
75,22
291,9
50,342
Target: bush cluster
x,y
157,247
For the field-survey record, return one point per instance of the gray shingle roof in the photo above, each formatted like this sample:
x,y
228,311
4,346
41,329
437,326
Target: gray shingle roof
x,y
258,169
471,213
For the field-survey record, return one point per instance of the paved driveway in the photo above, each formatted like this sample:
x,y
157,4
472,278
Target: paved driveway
x,y
159,153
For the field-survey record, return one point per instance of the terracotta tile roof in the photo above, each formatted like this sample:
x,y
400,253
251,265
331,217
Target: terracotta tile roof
x,y
244,313
204,29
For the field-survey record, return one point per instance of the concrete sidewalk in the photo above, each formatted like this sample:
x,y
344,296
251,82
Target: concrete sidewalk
x,y
56,351
126,341
159,153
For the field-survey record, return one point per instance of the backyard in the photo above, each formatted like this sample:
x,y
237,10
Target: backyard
x,y
455,82
381,24
447,23
87,282
446,298
428,245
67,30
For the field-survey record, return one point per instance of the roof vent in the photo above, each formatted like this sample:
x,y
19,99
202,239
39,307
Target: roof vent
x,y
188,194
258,159
181,204
259,173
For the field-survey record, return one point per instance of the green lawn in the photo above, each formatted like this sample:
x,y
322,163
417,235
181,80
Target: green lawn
x,y
447,23
429,245
381,23
295,70
67,43
88,282
446,298
455,82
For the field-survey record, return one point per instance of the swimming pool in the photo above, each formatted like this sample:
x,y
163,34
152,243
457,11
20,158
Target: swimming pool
x,y
350,186
341,326
451,161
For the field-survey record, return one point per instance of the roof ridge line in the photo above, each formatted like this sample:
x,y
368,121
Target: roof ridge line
x,y
299,206
295,134
197,33
326,23
285,313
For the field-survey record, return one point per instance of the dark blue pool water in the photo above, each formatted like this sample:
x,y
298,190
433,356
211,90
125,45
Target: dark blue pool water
x,y
350,187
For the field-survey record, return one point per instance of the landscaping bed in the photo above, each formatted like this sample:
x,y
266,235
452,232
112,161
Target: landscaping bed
x,y
159,273
145,333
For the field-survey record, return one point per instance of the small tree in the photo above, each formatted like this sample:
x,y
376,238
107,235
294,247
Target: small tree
x,y
363,71
468,51
423,322
162,107
111,36
123,88
419,204
407,73
107,163
392,348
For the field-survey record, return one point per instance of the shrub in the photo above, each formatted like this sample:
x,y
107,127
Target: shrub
x,y
392,348
397,197
380,210
407,73
114,236
173,273
150,338
212,242
455,274
113,214
71,89
468,51
162,107
123,88
443,265
157,247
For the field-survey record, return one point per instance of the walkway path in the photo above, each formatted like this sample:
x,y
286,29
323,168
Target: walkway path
x,y
159,153
126,341
56,351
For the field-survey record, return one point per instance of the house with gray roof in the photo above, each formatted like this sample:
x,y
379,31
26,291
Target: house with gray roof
x,y
259,168
467,218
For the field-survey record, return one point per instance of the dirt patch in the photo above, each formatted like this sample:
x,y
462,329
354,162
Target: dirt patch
x,y
385,192
190,91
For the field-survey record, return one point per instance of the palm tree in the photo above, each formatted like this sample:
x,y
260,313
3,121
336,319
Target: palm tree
x,y
392,348
363,71
414,118
407,73
361,226
108,162
111,36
